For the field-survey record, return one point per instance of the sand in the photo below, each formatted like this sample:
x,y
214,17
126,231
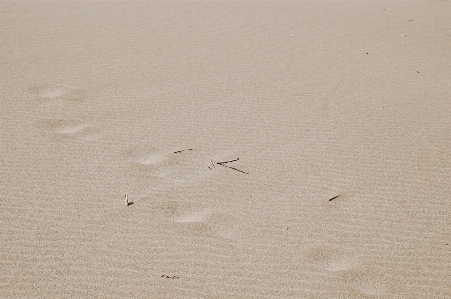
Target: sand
x,y
312,99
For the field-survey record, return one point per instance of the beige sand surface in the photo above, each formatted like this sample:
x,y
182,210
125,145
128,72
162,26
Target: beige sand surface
x,y
316,99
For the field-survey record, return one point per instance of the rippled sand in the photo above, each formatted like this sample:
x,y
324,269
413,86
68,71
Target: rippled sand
x,y
230,125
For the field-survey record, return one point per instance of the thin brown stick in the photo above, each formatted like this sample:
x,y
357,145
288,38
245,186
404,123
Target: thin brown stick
x,y
238,170
178,152
227,161
334,197
234,168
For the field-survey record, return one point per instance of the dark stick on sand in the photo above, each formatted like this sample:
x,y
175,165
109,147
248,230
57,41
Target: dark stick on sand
x,y
227,161
233,168
238,170
334,197
178,152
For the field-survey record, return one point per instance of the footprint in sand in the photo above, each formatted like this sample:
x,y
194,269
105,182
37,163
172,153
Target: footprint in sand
x,y
57,93
60,129
197,219
170,168
150,157
369,283
332,258
362,280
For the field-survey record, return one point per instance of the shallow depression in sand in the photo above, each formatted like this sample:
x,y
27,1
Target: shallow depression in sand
x,y
173,168
68,128
178,211
147,155
57,91
332,258
219,223
369,282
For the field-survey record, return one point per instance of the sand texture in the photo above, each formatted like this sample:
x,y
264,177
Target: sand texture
x,y
233,127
